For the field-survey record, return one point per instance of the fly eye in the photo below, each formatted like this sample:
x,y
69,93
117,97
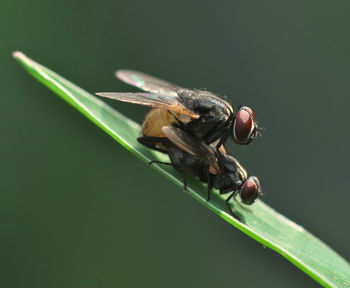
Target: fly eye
x,y
250,190
244,126
249,110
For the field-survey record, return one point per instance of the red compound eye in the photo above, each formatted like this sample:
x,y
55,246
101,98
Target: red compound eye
x,y
249,110
250,190
244,125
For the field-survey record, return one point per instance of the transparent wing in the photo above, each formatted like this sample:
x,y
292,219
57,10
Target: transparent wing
x,y
146,82
168,102
192,146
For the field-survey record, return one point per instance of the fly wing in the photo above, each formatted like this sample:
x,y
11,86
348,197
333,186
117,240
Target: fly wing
x,y
146,82
192,146
169,102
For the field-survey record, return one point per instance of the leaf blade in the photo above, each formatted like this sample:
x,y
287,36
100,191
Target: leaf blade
x,y
262,222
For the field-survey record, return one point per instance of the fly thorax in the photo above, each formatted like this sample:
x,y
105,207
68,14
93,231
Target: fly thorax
x,y
231,164
227,182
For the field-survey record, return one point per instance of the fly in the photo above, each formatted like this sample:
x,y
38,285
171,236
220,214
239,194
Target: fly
x,y
200,113
213,166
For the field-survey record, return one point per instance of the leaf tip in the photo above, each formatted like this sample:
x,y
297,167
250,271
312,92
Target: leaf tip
x,y
18,55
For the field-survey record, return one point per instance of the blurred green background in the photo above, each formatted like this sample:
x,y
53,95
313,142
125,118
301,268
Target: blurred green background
x,y
77,210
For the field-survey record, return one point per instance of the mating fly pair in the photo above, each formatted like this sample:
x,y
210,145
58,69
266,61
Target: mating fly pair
x,y
191,127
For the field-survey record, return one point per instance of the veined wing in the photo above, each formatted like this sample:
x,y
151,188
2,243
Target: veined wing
x,y
192,146
169,102
146,82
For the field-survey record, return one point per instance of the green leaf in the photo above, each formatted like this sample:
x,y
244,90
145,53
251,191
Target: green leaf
x,y
262,223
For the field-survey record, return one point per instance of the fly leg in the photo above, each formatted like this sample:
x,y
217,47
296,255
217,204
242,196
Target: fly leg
x,y
209,185
160,162
171,164
229,206
185,183
228,203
